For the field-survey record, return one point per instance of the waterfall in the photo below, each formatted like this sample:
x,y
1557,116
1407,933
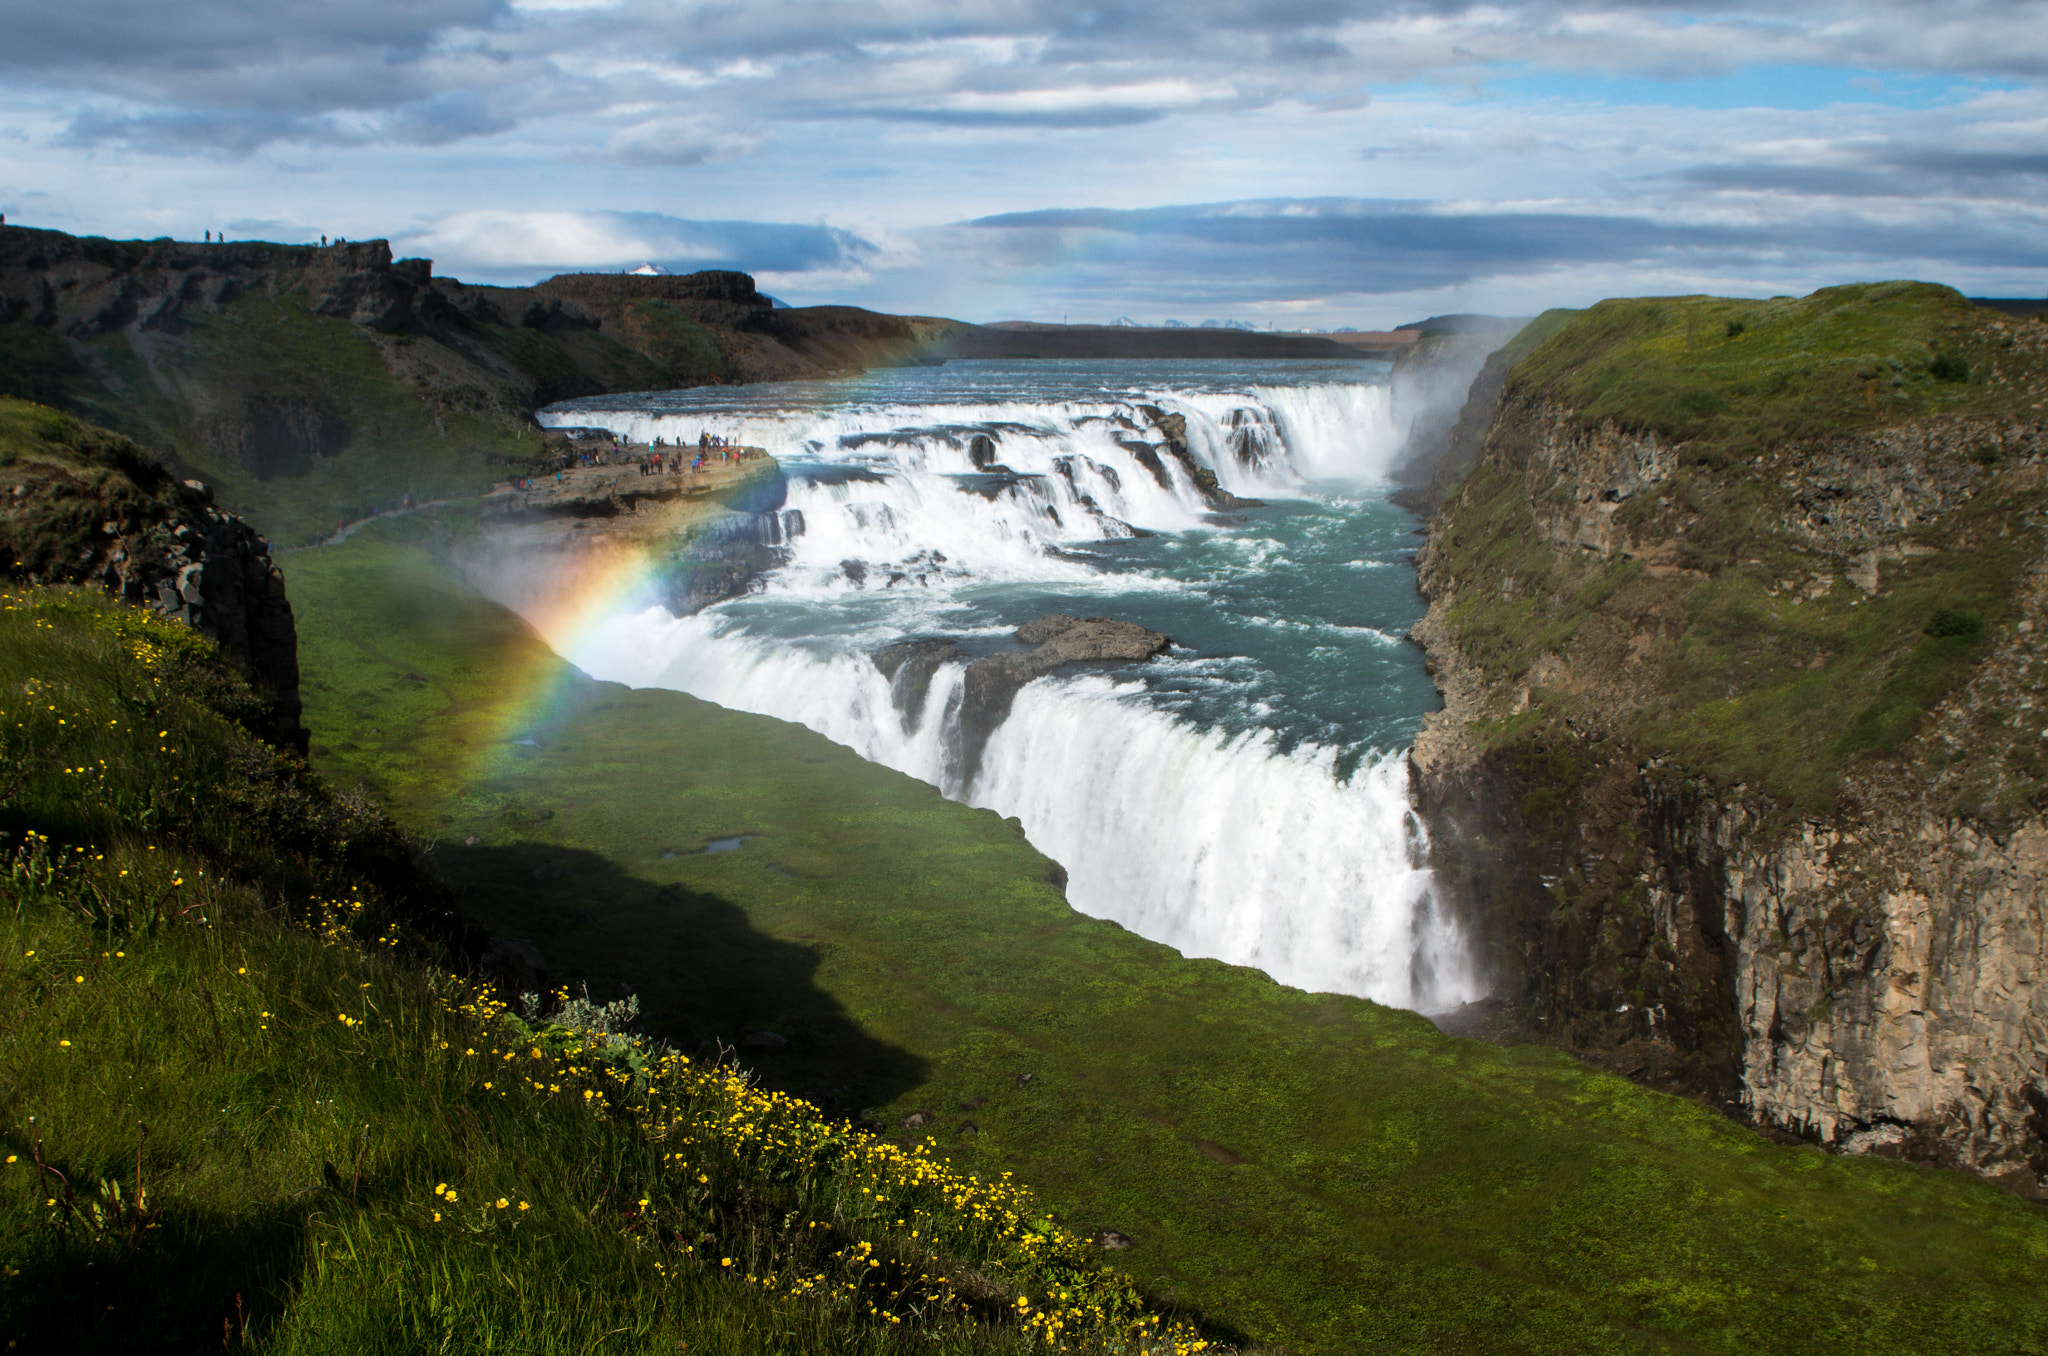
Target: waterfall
x,y
1222,838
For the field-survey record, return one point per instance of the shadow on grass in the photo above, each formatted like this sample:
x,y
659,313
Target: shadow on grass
x,y
198,1283
706,978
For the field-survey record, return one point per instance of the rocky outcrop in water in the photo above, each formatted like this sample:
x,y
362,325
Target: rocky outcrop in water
x,y
991,684
1174,427
910,666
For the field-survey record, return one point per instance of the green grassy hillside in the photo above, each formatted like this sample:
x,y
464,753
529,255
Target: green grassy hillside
x,y
386,434
1887,432
246,1107
1726,374
313,383
1316,1173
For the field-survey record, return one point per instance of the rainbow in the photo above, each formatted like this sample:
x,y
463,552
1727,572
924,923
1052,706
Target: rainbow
x,y
566,592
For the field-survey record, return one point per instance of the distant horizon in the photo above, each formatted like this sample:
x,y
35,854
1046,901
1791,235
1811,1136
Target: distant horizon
x,y
532,277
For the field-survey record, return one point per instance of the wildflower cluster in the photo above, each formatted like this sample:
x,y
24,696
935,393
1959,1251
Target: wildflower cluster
x,y
766,1189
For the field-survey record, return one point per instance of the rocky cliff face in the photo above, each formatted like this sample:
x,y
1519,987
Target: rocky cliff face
x,y
81,506
1876,980
1740,769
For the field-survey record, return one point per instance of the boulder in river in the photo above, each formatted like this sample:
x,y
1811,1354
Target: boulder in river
x,y
1068,640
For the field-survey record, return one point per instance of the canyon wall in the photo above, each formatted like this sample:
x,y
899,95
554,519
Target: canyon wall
x,y
1740,772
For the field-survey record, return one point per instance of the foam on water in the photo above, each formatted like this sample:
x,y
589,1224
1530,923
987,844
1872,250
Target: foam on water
x,y
1192,801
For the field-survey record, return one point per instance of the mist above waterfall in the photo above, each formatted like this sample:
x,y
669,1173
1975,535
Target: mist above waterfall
x,y
1244,797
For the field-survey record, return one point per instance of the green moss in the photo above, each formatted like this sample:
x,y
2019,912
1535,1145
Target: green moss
x,y
1724,373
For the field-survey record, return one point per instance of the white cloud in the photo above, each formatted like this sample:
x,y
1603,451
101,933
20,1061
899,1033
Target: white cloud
x,y
521,245
693,140
1908,135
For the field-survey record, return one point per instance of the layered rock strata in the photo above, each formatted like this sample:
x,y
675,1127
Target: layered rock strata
x,y
1869,970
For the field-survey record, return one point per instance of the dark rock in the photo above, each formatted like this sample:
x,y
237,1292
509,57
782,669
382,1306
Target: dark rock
x,y
1067,640
909,667
1175,429
549,870
763,1040
1174,426
1147,456
982,452
356,282
969,1128
990,685
128,526
1024,1080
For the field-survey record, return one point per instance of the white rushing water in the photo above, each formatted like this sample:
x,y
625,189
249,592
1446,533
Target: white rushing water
x,y
1245,797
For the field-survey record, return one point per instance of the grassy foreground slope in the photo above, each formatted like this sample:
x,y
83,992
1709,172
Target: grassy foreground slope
x,y
244,1108
1314,1172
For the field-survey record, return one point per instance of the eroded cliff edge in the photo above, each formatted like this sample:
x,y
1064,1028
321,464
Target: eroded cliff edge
x,y
83,505
1741,620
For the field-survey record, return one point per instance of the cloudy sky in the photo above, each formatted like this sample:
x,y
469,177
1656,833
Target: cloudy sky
x,y
1306,163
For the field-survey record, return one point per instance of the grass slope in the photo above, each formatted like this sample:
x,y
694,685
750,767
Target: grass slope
x,y
1725,373
404,435
243,1107
301,419
1753,662
1315,1172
